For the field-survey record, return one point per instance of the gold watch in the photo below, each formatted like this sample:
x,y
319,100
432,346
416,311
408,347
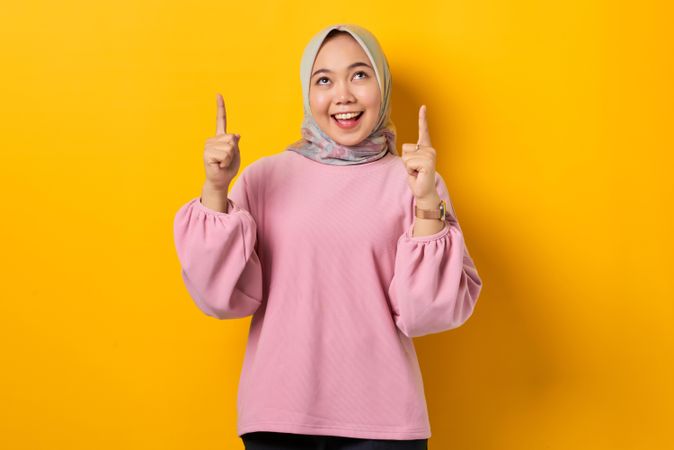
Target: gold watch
x,y
438,213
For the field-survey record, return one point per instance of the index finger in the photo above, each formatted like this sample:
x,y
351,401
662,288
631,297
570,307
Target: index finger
x,y
221,123
424,136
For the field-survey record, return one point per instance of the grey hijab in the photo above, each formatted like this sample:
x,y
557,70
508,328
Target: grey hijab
x,y
317,145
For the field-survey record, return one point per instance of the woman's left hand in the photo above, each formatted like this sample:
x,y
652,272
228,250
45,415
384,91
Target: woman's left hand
x,y
420,164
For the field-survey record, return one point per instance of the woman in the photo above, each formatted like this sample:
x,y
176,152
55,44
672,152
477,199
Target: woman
x,y
342,252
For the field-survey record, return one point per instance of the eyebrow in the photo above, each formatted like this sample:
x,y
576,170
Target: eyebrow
x,y
356,64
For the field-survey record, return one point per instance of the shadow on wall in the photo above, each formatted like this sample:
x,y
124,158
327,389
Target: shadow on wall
x,y
502,362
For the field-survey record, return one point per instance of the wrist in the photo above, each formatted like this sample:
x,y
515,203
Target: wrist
x,y
429,202
214,198
215,188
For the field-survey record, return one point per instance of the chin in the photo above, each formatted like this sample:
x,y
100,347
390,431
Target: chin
x,y
348,139
349,142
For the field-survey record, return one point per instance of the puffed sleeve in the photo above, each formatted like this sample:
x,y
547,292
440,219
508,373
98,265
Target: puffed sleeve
x,y
435,283
218,257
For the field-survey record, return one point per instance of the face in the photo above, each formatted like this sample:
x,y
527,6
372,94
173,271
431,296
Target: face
x,y
343,80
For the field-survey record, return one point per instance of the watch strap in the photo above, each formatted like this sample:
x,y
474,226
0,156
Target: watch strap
x,y
438,213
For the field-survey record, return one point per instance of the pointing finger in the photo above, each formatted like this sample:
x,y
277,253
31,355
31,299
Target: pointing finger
x,y
424,136
221,122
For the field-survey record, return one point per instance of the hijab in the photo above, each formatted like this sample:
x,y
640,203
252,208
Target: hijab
x,y
317,145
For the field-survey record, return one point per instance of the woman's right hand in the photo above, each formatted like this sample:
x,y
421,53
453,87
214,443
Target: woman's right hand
x,y
221,155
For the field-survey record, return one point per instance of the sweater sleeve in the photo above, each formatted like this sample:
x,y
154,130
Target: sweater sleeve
x,y
218,257
435,283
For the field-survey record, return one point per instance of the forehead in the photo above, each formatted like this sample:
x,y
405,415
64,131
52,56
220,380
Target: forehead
x,y
338,51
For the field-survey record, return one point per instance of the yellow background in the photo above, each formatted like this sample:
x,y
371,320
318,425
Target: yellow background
x,y
553,123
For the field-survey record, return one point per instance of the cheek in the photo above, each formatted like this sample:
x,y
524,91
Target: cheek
x,y
370,98
319,102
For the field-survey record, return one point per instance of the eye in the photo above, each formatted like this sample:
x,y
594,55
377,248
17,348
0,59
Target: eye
x,y
318,81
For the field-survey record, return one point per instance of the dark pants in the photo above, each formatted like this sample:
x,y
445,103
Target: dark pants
x,y
270,440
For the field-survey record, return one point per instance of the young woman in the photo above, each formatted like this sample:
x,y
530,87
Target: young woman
x,y
342,252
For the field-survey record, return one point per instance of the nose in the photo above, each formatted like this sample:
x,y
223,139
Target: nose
x,y
344,94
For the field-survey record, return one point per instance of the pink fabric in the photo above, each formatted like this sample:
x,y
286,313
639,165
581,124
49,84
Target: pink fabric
x,y
323,258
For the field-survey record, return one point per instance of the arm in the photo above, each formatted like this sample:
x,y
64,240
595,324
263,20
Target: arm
x,y
435,284
217,253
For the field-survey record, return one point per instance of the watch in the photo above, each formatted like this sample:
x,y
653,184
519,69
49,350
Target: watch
x,y
439,213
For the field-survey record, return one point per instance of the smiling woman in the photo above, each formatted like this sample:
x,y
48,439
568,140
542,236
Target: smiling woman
x,y
344,95
346,84
323,246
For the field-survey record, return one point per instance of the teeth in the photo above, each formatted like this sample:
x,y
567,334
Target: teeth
x,y
347,115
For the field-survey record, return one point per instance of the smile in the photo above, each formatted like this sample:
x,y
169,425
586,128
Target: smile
x,y
348,123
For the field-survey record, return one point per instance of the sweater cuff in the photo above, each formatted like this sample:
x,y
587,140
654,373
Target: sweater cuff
x,y
231,207
431,237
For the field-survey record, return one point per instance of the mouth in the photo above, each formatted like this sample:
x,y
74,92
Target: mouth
x,y
348,123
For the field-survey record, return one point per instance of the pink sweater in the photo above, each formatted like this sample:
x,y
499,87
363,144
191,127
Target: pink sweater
x,y
323,258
